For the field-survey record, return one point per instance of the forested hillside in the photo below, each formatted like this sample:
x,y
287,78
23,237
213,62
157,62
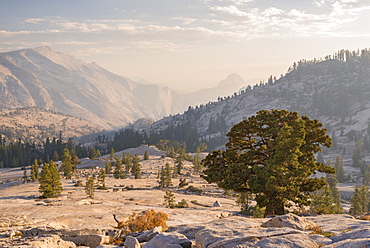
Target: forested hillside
x,y
334,90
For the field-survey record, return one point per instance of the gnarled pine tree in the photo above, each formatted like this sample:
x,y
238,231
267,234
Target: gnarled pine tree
x,y
271,155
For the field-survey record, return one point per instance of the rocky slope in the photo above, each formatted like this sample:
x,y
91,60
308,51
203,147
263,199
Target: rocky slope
x,y
47,79
35,125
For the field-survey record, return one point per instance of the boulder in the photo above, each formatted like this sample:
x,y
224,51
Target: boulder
x,y
290,220
290,240
146,236
91,241
351,243
320,239
131,242
354,234
211,237
51,241
216,204
163,239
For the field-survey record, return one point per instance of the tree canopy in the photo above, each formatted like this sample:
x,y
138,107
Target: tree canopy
x,y
271,155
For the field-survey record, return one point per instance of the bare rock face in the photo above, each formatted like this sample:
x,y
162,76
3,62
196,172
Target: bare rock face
x,y
290,220
351,243
289,240
354,234
163,239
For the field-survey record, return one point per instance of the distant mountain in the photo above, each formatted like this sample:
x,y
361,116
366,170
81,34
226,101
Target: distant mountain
x,y
46,79
226,87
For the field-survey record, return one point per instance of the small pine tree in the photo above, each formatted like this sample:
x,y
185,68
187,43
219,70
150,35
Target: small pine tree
x,y
360,201
146,155
89,187
339,171
101,179
25,177
35,170
127,160
67,167
55,156
50,184
332,182
136,167
111,156
108,166
169,199
322,201
165,179
118,170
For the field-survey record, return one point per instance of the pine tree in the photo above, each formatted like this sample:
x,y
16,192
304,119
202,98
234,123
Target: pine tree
x,y
67,167
35,170
111,157
50,184
169,199
127,160
322,201
357,154
136,167
118,170
108,166
89,187
332,182
197,159
179,163
356,206
101,179
339,171
55,156
165,179
146,155
25,177
271,154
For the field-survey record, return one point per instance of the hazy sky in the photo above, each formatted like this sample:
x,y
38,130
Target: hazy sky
x,y
188,44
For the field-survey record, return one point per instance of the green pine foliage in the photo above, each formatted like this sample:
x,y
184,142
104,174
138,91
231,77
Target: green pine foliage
x,y
89,187
136,167
339,171
119,173
101,179
108,166
271,154
50,184
360,201
146,155
34,171
169,199
165,179
67,167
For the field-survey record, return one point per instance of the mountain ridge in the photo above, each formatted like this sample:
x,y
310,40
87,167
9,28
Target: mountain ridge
x,y
43,78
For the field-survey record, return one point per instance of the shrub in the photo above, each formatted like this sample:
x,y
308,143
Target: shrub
x,y
318,230
145,221
182,204
191,188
